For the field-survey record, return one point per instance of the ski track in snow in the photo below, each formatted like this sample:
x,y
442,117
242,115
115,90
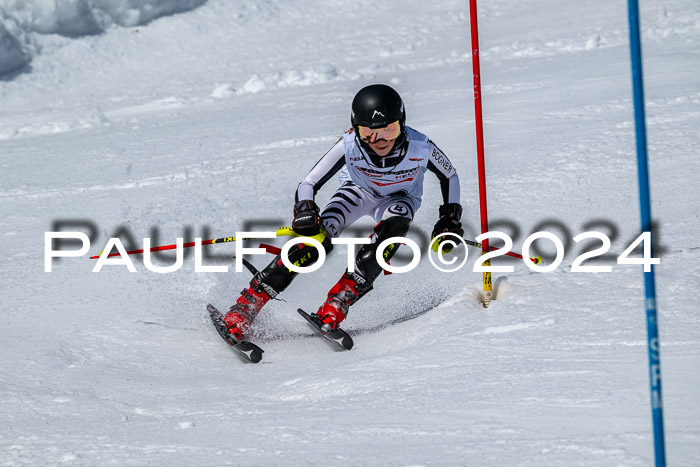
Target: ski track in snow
x,y
206,121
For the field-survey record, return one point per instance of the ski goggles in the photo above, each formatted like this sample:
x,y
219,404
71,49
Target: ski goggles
x,y
372,135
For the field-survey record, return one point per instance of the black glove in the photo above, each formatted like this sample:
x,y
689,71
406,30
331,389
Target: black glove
x,y
450,214
307,221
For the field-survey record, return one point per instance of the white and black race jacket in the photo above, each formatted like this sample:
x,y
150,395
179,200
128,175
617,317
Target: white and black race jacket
x,y
400,173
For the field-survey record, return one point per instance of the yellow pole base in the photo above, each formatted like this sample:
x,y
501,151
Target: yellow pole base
x,y
488,288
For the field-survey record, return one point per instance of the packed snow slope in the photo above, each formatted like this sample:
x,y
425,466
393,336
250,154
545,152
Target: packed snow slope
x,y
201,124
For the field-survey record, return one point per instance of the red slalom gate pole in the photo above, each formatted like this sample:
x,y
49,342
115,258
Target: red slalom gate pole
x,y
480,146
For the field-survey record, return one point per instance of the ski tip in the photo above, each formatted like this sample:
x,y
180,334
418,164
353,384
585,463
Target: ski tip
x,y
249,351
347,343
340,339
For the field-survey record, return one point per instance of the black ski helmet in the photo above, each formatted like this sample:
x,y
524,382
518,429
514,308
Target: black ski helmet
x,y
376,106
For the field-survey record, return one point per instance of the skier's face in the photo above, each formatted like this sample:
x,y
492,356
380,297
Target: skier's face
x,y
381,140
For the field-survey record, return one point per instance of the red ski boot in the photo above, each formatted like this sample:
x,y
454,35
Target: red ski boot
x,y
241,315
343,294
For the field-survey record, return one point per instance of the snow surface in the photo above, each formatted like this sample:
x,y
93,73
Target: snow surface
x,y
203,123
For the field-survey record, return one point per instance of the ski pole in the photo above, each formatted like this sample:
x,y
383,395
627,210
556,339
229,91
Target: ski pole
x,y
283,231
536,259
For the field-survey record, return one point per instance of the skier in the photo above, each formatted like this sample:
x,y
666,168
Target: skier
x,y
381,163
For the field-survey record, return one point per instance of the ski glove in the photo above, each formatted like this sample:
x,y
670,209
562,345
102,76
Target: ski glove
x,y
307,221
450,214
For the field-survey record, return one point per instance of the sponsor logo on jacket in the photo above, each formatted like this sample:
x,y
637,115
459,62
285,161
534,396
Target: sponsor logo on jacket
x,y
442,161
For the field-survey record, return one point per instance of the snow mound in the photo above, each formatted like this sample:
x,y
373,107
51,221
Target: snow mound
x,y
137,12
318,74
12,58
71,18
95,119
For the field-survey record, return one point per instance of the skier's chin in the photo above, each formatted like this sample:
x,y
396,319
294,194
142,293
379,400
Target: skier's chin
x,y
382,148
